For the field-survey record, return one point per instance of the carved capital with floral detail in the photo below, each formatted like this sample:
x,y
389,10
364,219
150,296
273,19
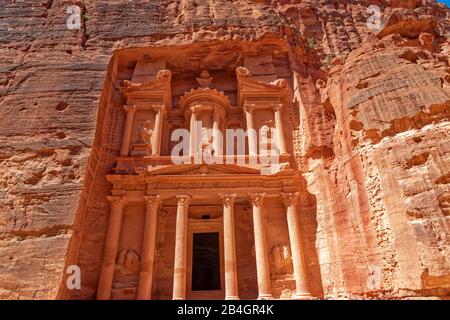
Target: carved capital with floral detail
x,y
116,201
183,200
159,108
277,107
289,199
249,107
256,199
228,199
152,201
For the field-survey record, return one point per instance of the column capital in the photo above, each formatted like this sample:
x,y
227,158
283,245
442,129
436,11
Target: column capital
x,y
116,200
289,199
183,200
228,199
152,201
159,108
256,199
130,108
249,107
277,107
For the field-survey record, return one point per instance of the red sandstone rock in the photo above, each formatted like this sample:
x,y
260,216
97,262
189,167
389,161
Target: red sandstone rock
x,y
369,129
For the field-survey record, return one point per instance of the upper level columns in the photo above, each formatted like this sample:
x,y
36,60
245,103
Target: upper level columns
x,y
231,280
262,262
128,130
181,236
279,125
217,134
110,249
192,131
301,278
159,117
148,248
252,138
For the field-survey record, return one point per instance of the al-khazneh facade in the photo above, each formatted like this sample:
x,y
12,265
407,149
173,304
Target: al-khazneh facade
x,y
221,214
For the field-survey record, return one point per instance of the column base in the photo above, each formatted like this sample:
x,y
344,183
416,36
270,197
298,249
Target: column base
x,y
232,298
303,296
265,297
178,299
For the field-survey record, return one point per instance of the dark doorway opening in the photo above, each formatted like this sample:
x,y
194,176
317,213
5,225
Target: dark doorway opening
x,y
206,262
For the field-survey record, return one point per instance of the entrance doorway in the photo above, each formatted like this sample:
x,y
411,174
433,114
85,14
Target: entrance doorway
x,y
206,262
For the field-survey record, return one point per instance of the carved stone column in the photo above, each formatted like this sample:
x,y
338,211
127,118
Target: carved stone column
x,y
110,249
217,135
231,279
156,144
148,248
301,278
252,137
180,265
128,130
262,262
280,131
193,147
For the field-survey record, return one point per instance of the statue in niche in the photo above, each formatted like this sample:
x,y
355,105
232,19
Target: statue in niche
x,y
265,131
266,142
282,260
129,260
205,79
144,145
206,138
145,132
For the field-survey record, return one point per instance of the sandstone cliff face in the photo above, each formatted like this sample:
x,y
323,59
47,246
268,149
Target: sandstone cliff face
x,y
372,139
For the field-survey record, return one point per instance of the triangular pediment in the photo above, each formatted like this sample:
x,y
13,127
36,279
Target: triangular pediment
x,y
162,84
248,84
201,169
248,87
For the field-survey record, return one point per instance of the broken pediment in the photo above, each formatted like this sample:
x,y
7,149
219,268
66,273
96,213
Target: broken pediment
x,y
250,88
158,90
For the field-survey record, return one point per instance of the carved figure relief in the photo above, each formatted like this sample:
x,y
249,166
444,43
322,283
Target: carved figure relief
x,y
281,259
128,259
145,135
145,132
205,79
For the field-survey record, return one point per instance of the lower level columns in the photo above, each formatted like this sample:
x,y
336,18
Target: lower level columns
x,y
301,278
181,234
262,261
148,248
111,245
231,280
